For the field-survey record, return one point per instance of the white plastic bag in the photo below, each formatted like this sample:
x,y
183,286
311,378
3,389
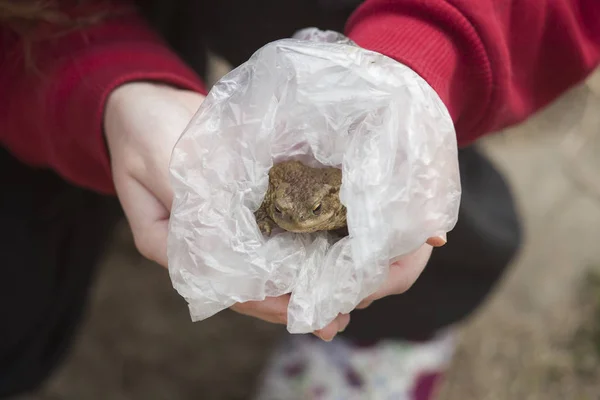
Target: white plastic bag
x,y
320,99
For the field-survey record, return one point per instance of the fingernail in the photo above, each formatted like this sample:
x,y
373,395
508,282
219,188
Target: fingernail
x,y
324,339
444,239
438,241
364,304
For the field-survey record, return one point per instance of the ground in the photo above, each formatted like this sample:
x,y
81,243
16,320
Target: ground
x,y
537,336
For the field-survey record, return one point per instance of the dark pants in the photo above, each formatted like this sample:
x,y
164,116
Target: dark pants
x,y
54,234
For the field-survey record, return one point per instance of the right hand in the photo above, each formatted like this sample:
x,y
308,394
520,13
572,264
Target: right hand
x,y
403,273
274,309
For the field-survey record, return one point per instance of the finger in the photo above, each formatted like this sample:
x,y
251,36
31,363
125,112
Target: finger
x,y
337,325
402,274
344,321
437,241
147,217
156,239
364,304
271,309
160,185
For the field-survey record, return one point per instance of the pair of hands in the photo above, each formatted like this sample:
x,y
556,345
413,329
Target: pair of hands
x,y
142,123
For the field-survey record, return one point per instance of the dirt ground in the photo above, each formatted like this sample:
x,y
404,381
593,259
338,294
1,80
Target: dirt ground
x,y
538,336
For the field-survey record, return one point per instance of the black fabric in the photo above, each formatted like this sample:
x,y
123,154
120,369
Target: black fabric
x,y
53,233
51,238
460,275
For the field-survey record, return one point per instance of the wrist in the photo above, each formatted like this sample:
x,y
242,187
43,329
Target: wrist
x,y
128,101
124,95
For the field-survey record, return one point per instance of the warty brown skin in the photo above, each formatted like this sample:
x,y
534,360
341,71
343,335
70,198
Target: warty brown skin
x,y
302,199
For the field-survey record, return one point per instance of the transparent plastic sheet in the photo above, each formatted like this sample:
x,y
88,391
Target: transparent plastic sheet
x,y
320,99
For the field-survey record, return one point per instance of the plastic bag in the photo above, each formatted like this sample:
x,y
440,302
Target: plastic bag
x,y
323,100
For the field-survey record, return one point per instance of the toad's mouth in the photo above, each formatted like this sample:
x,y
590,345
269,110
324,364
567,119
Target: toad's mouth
x,y
306,226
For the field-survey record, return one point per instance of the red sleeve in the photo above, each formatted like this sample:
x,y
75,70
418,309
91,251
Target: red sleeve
x,y
51,115
493,63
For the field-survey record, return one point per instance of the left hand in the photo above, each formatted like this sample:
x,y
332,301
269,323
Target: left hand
x,y
143,122
404,272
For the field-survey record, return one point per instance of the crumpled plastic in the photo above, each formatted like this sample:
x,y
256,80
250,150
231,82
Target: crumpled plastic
x,y
320,99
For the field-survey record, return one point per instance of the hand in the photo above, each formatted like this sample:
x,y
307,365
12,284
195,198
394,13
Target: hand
x,y
404,272
142,123
274,309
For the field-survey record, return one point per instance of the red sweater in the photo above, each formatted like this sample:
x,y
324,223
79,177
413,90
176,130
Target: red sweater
x,y
492,62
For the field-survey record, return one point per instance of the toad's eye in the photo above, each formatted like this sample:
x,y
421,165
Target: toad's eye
x,y
317,209
277,210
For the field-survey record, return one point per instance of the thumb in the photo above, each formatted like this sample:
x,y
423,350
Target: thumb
x,y
437,241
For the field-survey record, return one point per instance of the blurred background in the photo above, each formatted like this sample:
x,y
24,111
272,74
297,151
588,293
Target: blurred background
x,y
537,336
